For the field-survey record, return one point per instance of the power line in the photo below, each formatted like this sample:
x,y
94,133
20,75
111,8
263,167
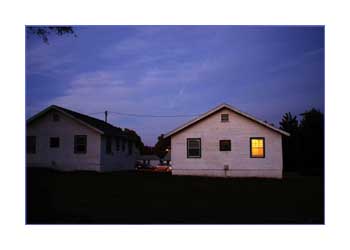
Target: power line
x,y
158,116
96,113
144,115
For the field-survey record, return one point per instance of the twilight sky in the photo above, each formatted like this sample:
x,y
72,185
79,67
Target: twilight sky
x,y
177,70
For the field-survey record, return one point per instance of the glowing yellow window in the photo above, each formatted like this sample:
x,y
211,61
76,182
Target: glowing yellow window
x,y
257,147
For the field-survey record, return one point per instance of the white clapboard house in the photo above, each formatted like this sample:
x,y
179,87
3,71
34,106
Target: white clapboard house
x,y
227,142
67,140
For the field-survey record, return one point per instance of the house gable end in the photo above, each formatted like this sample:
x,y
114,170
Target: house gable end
x,y
217,110
54,108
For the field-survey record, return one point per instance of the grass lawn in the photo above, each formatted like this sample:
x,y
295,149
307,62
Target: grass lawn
x,y
133,198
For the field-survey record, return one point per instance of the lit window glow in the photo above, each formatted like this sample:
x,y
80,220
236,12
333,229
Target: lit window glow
x,y
257,147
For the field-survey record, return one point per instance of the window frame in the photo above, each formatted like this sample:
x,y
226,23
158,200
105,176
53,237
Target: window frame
x,y
50,142
28,146
130,145
109,142
123,145
225,114
200,148
117,143
250,148
221,141
76,144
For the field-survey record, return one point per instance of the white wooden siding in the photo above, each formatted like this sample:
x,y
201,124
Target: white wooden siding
x,y
63,158
238,129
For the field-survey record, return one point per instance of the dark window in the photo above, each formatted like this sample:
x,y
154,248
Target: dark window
x,y
55,117
257,147
31,145
130,147
225,145
108,145
117,142
224,117
54,142
193,148
123,145
80,142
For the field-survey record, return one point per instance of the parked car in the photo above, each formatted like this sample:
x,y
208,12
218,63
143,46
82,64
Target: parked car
x,y
163,168
144,167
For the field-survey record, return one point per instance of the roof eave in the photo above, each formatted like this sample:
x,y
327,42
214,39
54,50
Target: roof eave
x,y
31,119
224,105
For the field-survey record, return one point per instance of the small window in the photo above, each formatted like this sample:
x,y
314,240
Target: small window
x,y
224,117
257,147
117,142
80,142
54,142
31,145
193,148
225,145
108,145
55,117
123,145
129,147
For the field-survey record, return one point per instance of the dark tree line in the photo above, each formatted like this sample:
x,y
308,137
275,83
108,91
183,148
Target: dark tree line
x,y
159,149
135,137
303,150
161,146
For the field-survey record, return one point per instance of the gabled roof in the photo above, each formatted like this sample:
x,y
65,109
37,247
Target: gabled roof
x,y
217,109
100,126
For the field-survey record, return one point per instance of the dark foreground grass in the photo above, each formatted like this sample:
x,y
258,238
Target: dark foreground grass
x,y
133,198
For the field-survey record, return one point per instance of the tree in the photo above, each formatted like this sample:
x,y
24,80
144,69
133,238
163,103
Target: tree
x,y
132,135
44,32
147,150
161,146
312,142
289,123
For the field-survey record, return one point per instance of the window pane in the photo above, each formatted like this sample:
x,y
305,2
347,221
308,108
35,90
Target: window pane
x,y
80,148
224,117
257,147
80,142
108,145
193,143
193,147
117,141
257,152
123,145
80,139
255,143
130,147
54,142
225,145
194,152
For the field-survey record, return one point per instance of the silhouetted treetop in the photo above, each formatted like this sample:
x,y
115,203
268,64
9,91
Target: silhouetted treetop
x,y
43,32
161,146
289,123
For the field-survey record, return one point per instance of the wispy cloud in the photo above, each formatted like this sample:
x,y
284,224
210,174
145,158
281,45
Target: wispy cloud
x,y
295,61
172,70
47,61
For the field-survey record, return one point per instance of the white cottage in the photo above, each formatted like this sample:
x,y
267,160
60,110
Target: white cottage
x,y
66,140
227,142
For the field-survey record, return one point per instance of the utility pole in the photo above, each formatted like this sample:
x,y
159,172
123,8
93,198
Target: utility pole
x,y
106,114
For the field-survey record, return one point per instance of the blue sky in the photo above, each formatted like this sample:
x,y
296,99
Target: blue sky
x,y
170,70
